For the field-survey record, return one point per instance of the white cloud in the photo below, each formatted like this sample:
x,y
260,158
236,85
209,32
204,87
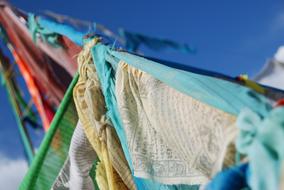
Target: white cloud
x,y
11,172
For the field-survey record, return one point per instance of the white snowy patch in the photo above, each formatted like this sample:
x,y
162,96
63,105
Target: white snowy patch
x,y
279,55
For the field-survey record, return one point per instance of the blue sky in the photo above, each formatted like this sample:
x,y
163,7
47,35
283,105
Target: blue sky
x,y
231,37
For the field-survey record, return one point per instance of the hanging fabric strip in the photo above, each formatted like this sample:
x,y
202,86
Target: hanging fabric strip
x,y
17,112
224,95
64,54
134,40
90,104
53,152
52,79
77,35
74,35
46,113
106,76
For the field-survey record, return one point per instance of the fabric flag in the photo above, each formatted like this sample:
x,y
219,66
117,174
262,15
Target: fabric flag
x,y
53,152
134,40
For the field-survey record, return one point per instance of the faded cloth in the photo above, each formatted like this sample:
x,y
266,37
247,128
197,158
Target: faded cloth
x,y
75,173
114,172
106,73
218,93
221,94
51,79
173,138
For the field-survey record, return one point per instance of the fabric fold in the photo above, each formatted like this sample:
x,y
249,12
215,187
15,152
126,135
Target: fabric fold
x,y
261,138
92,113
172,138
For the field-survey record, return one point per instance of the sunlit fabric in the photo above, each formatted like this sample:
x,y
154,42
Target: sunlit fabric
x,y
172,138
75,172
53,151
113,170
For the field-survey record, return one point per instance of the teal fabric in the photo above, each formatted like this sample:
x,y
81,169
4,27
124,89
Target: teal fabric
x,y
72,33
233,178
221,94
106,75
46,35
224,95
107,79
134,40
262,139
77,36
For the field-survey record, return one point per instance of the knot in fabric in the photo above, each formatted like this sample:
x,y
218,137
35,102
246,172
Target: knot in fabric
x,y
247,122
46,35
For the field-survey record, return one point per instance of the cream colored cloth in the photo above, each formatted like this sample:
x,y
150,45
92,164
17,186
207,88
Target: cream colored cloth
x,y
173,138
82,158
91,109
74,174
